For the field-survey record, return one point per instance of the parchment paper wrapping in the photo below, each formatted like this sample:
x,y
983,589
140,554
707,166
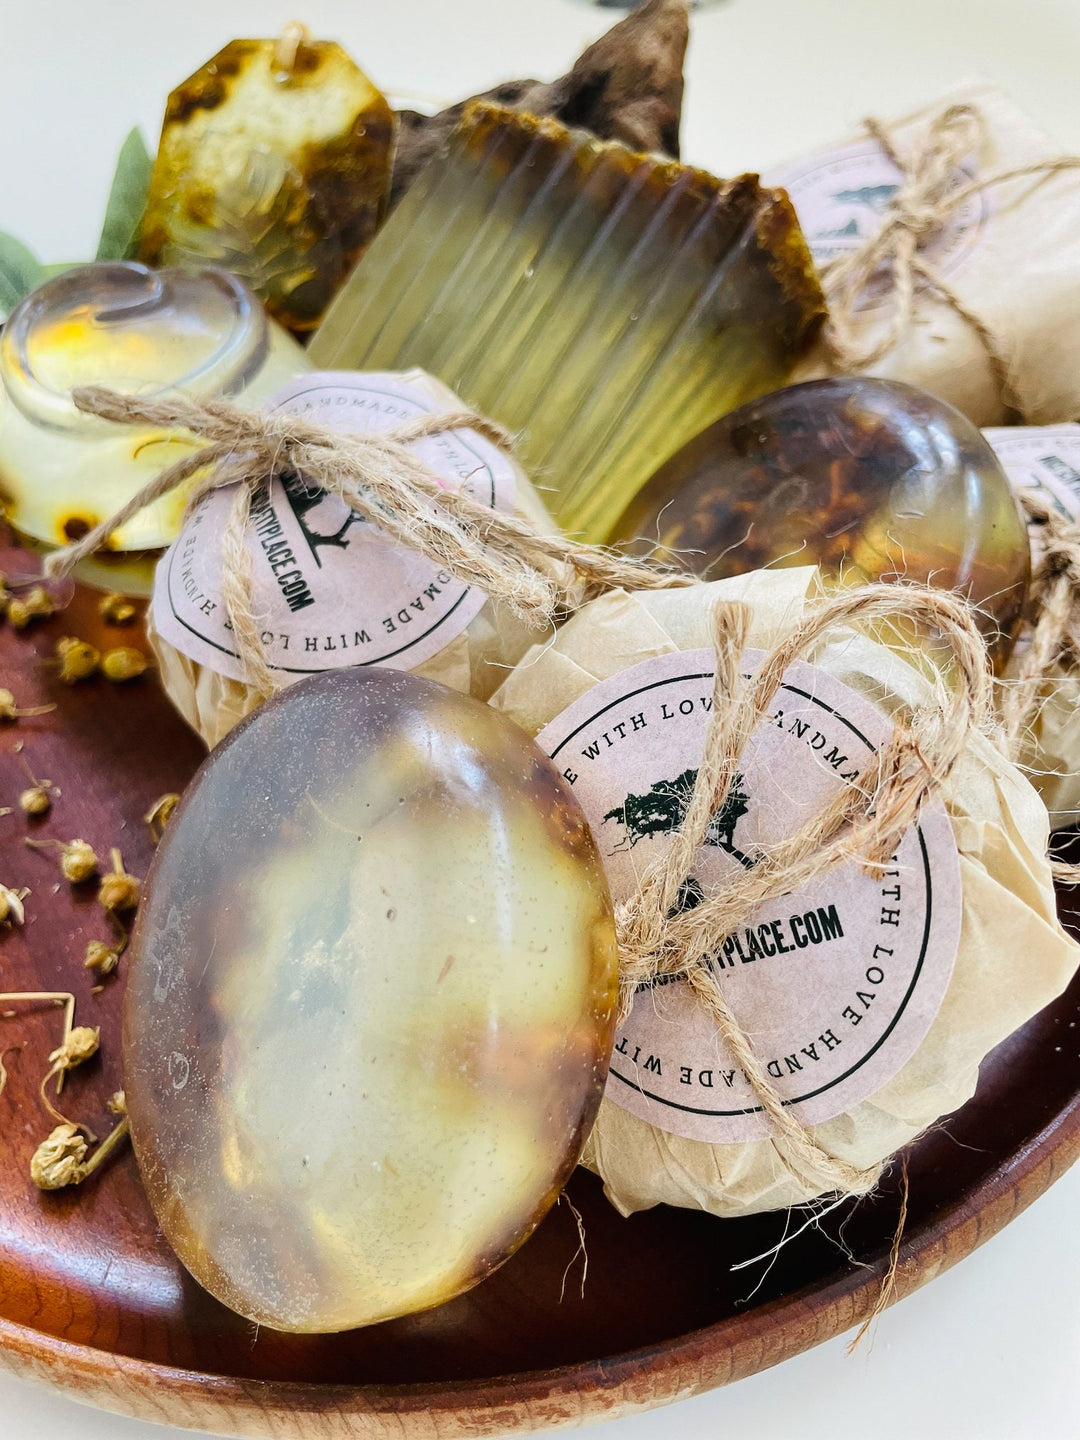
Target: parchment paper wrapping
x,y
474,661
1013,957
1046,460
1011,253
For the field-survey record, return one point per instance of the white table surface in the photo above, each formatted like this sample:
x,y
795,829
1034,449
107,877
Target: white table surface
x,y
991,1350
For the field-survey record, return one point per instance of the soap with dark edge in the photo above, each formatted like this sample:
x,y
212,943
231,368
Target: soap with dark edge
x,y
602,304
370,1004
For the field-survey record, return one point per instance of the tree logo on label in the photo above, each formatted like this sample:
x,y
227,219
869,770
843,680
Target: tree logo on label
x,y
662,810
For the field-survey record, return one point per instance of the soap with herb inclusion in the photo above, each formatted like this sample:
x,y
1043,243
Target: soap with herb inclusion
x,y
603,305
371,1002
869,479
274,163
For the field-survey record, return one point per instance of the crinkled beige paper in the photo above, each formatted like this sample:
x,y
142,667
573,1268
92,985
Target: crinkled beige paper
x,y
1013,958
1021,278
474,662
1050,752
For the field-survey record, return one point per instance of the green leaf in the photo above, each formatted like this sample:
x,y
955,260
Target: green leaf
x,y
20,271
127,200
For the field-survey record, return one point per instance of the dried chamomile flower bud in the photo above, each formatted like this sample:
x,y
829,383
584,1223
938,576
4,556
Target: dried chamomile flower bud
x,y
119,890
37,800
160,813
11,906
78,659
81,1044
58,1161
5,596
117,1103
9,710
36,604
78,862
116,610
123,663
101,958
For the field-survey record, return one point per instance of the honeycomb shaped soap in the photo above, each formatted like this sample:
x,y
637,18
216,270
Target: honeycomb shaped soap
x,y
604,305
371,1003
870,479
274,163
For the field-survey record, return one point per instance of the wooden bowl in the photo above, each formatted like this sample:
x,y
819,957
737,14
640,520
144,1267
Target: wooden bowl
x,y
92,1300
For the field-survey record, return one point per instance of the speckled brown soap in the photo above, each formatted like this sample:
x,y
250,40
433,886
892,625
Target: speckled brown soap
x,y
868,478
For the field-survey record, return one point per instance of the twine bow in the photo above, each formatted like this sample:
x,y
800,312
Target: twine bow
x,y
864,823
537,576
926,198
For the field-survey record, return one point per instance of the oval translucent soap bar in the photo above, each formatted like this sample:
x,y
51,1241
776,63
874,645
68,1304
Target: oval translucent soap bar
x,y
371,1002
868,478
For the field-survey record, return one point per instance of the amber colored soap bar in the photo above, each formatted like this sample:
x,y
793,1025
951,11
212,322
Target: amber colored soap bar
x,y
604,305
869,479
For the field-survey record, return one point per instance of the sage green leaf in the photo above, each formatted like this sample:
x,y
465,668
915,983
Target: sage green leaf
x,y
20,271
127,200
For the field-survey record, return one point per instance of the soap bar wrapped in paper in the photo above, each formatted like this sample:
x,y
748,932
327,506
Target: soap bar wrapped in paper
x,y
1044,462
329,590
871,999
1009,253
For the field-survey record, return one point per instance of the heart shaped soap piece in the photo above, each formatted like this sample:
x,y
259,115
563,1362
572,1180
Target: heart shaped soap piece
x,y
371,1002
869,479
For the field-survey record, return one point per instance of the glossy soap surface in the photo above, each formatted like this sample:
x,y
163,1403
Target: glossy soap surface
x,y
274,163
603,305
371,1002
871,479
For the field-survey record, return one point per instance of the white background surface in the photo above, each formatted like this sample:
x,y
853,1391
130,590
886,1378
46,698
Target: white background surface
x,y
990,1351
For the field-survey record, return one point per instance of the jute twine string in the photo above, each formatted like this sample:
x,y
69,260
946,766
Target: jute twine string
x,y
1051,641
538,577
864,823
927,197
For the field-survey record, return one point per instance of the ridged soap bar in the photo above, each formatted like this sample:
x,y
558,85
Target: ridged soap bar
x,y
605,305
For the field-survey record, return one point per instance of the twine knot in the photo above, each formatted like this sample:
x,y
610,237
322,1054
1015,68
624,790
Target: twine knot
x,y
931,190
378,475
864,823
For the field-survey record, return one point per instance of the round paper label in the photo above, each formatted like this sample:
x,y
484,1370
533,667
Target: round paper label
x,y
836,985
330,589
841,197
1045,458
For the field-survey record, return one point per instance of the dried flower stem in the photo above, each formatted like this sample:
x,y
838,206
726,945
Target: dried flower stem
x,y
78,861
9,710
58,997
